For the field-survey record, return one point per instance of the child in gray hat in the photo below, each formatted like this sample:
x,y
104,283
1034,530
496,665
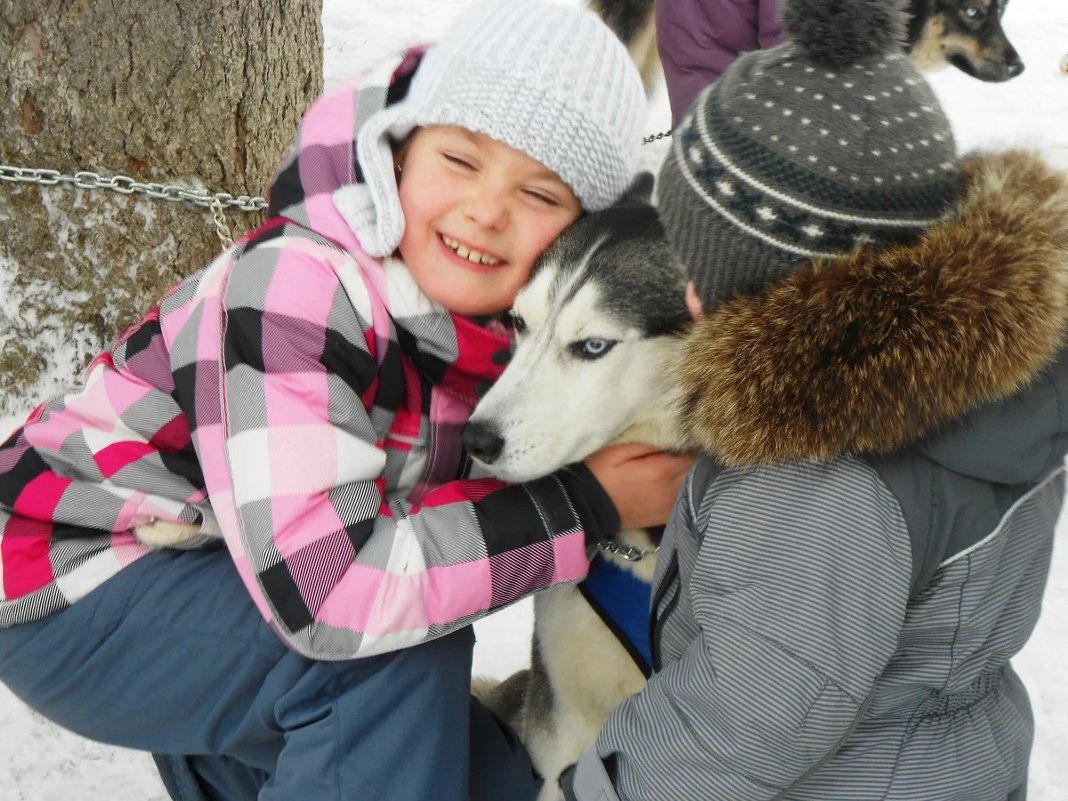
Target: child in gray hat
x,y
878,386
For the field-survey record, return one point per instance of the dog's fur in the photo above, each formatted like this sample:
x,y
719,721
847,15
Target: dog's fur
x,y
610,277
964,33
633,22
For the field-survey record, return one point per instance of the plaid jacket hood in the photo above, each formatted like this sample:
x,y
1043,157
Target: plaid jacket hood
x,y
321,182
302,400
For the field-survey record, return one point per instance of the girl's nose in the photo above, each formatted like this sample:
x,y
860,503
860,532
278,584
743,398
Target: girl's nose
x,y
488,208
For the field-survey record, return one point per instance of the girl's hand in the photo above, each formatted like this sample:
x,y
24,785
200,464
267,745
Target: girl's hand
x,y
641,480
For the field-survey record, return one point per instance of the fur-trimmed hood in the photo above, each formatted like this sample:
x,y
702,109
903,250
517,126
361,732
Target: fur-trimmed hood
x,y
868,353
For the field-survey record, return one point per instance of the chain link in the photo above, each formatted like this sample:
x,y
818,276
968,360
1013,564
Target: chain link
x,y
125,185
655,137
631,553
217,202
222,229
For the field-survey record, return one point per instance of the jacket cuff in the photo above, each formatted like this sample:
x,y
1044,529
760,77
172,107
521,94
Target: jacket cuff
x,y
600,520
589,780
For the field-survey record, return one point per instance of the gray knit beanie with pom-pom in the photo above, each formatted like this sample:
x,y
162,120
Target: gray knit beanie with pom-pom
x,y
827,143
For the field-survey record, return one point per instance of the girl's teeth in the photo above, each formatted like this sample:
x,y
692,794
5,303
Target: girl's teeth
x,y
473,256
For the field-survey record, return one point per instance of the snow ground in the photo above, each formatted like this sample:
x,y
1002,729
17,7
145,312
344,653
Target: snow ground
x,y
39,762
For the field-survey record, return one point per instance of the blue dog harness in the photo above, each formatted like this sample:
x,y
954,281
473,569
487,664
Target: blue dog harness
x,y
622,602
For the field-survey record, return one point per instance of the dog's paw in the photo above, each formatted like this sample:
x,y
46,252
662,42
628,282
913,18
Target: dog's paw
x,y
164,534
1064,63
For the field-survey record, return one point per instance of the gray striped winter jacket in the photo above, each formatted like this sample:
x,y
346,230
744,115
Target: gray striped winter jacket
x,y
851,568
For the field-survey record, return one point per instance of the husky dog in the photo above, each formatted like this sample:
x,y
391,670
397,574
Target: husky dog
x,y
964,33
598,329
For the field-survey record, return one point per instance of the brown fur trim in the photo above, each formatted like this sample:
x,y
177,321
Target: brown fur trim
x,y
868,352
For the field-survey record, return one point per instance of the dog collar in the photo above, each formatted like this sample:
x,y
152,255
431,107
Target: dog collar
x,y
629,552
622,601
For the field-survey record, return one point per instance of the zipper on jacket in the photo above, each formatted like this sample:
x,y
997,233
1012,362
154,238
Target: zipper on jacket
x,y
656,618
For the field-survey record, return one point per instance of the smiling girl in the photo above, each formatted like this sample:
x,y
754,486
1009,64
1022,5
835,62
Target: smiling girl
x,y
301,400
470,244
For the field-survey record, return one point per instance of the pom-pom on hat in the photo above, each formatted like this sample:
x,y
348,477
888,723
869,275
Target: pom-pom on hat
x,y
550,80
829,142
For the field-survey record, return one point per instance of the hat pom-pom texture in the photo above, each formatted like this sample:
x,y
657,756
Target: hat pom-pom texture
x,y
836,33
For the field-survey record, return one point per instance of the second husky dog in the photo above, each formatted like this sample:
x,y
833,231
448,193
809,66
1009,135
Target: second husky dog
x,y
964,33
598,328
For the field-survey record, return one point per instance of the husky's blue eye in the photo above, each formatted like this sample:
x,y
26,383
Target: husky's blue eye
x,y
973,12
592,348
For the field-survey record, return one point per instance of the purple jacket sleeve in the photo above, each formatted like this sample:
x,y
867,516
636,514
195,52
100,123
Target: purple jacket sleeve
x,y
699,39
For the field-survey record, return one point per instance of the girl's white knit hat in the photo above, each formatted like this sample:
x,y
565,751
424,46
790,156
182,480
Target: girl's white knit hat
x,y
550,80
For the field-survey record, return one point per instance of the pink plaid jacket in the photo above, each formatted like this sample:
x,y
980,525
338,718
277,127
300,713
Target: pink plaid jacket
x,y
303,401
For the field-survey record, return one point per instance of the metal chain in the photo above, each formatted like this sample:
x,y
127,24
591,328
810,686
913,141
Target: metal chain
x,y
222,230
631,553
218,202
655,137
125,185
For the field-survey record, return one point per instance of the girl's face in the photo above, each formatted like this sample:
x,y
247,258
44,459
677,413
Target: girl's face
x,y
477,214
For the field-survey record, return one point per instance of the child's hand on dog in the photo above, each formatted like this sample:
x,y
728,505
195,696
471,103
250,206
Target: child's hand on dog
x,y
641,480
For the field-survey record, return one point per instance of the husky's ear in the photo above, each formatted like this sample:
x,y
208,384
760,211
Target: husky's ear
x,y
640,191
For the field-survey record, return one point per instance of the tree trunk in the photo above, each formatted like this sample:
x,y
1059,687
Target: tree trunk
x,y
202,93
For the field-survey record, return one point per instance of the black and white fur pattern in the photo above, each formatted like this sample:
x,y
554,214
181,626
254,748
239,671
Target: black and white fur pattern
x,y
964,33
633,22
599,329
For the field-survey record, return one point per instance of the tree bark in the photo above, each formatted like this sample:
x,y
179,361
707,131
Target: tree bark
x,y
202,93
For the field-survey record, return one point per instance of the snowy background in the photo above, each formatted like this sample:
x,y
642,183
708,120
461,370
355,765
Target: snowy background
x,y
39,762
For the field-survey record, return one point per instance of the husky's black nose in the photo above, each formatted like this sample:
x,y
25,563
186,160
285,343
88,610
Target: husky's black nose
x,y
482,442
1013,65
